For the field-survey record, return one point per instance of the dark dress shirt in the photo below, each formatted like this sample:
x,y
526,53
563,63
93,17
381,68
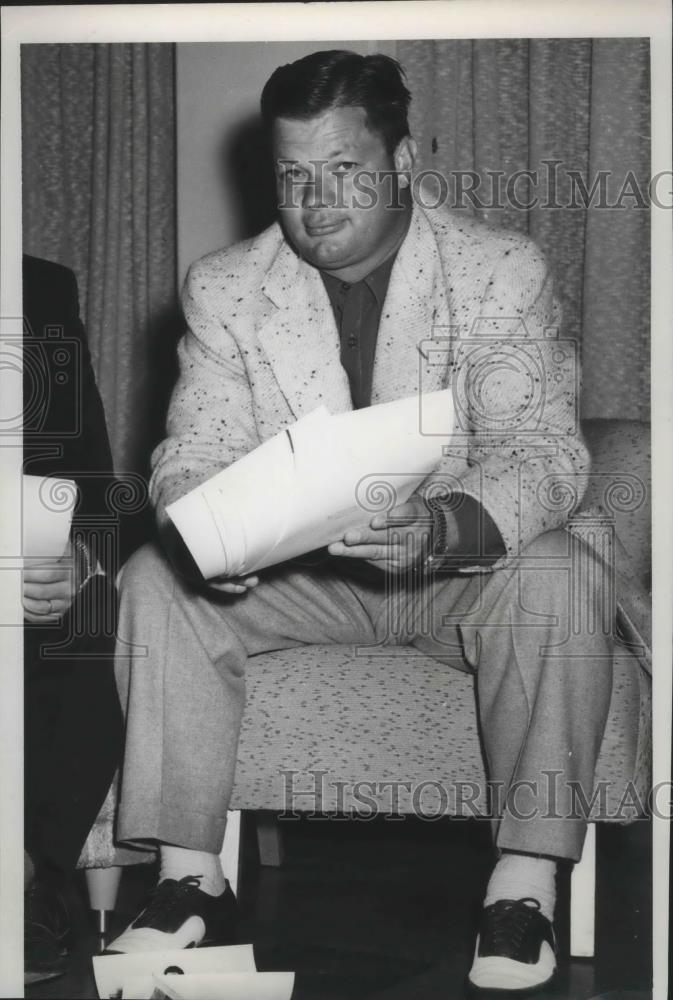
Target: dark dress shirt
x,y
357,312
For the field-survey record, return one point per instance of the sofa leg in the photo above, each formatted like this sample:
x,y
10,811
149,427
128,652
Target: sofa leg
x,y
230,855
269,840
583,899
102,885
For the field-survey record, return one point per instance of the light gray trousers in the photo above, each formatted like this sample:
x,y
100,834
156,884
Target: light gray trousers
x,y
531,631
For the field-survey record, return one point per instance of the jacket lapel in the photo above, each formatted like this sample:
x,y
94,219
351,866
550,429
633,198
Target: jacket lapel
x,y
299,335
415,313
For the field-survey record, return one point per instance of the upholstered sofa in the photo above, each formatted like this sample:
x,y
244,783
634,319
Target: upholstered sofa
x,y
320,719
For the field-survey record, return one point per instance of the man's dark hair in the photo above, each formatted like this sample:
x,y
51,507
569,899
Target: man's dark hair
x,y
340,79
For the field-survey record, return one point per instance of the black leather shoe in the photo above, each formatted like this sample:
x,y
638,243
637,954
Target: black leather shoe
x,y
515,951
180,915
46,929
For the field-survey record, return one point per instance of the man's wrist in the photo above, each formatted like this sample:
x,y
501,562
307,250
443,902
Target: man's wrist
x,y
462,535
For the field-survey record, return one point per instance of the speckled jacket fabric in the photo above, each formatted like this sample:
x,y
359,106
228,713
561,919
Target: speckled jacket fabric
x,y
467,306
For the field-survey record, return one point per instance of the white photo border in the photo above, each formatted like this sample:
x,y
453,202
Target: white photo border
x,y
315,21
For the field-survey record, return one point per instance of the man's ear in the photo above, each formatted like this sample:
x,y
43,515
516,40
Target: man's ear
x,y
405,158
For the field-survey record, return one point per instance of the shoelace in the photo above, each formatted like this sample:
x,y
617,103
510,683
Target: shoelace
x,y
165,897
510,919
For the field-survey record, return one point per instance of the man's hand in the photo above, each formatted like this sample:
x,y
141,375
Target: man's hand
x,y
393,542
234,585
49,587
183,563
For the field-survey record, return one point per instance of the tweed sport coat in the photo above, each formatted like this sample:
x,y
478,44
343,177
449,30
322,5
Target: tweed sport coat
x,y
467,307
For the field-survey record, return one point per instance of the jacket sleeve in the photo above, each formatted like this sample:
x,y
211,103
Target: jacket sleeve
x,y
66,436
516,393
210,421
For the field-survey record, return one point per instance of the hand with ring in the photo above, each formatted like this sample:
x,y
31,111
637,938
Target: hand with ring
x,y
49,588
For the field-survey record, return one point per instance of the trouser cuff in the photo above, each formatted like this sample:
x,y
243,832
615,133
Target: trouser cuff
x,y
172,825
553,838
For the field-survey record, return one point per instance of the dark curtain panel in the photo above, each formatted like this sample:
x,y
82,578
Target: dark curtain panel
x,y
99,196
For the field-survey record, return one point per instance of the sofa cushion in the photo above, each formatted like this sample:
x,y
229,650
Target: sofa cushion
x,y
318,716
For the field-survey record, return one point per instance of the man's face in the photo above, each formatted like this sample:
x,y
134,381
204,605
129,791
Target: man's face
x,y
336,192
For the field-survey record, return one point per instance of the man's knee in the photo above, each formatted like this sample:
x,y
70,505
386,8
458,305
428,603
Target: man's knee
x,y
554,545
563,575
568,553
147,570
543,575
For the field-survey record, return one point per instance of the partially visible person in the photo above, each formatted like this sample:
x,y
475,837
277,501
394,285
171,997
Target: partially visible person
x,y
73,721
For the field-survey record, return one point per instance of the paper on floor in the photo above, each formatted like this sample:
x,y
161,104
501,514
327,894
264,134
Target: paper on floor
x,y
233,986
116,973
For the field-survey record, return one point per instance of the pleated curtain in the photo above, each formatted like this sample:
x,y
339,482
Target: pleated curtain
x,y
509,105
99,161
98,135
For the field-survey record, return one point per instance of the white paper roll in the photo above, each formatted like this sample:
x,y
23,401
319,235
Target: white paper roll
x,y
241,986
48,506
306,486
115,972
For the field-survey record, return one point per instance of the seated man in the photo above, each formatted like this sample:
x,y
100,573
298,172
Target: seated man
x,y
73,721
335,305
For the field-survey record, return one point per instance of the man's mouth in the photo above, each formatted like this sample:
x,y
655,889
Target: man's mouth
x,y
323,228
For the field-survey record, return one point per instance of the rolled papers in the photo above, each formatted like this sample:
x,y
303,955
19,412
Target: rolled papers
x,y
305,487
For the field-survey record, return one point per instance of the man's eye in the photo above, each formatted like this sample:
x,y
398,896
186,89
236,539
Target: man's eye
x,y
292,174
344,167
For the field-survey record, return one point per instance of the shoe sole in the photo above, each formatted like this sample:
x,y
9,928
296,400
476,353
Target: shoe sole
x,y
519,991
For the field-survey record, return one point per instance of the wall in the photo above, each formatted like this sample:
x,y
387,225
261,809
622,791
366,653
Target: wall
x,y
223,186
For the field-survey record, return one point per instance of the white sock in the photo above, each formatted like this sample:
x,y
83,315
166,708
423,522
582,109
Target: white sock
x,y
517,876
176,862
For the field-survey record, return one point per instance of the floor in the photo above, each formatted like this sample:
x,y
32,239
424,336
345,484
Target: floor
x,y
386,910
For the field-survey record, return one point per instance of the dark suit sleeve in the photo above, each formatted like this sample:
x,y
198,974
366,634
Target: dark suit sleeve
x,y
73,729
65,435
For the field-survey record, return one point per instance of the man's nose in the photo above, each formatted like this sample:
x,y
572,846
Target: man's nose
x,y
316,193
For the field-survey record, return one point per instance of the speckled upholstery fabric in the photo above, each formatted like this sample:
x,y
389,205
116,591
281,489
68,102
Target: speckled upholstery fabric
x,y
363,715
323,723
